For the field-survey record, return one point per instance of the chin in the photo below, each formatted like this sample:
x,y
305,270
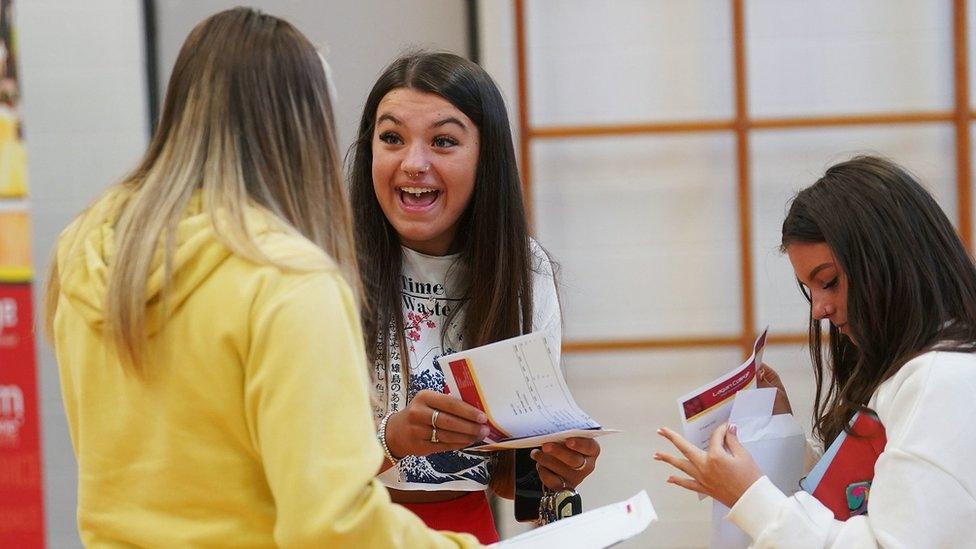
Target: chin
x,y
415,236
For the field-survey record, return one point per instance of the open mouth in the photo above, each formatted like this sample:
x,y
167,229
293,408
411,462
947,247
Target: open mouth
x,y
418,197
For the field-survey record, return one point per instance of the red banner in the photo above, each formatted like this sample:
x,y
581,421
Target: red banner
x,y
21,491
726,388
21,504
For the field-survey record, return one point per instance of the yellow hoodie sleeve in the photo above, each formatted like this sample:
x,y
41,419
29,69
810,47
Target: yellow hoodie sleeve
x,y
308,414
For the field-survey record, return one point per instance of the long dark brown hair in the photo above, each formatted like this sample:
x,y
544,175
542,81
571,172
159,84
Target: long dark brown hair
x,y
492,238
911,283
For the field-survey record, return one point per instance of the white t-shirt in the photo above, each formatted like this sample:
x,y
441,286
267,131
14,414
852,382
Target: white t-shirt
x,y
430,295
924,488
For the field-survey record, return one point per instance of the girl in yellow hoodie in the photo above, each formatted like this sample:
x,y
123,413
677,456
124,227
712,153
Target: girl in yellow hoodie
x,y
204,316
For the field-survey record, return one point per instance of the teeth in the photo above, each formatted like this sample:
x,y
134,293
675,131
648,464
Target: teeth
x,y
416,191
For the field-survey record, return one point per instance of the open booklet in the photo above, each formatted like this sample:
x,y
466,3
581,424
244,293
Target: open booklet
x,y
596,529
521,389
709,406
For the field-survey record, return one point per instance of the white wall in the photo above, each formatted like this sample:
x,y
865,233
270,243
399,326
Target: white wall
x,y
358,39
85,124
646,228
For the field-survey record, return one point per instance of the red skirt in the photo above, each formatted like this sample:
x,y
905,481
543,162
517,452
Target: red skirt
x,y
469,514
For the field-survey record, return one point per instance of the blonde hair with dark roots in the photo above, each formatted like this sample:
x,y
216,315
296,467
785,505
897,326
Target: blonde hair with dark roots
x,y
247,121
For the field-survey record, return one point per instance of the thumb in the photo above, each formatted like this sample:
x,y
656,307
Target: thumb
x,y
763,377
732,440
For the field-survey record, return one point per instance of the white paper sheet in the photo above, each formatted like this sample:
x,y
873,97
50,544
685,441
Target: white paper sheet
x,y
752,404
520,388
596,529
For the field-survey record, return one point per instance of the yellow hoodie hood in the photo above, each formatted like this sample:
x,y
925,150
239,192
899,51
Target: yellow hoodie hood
x,y
88,245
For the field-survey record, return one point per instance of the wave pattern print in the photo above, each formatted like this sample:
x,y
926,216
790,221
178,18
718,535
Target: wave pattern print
x,y
445,466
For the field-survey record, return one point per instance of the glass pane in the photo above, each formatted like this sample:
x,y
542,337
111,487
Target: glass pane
x,y
844,56
628,61
644,229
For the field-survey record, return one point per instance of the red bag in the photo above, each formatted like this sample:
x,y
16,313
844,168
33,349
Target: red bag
x,y
841,480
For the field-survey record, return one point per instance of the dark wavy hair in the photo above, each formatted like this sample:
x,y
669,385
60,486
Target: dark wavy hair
x,y
911,283
492,237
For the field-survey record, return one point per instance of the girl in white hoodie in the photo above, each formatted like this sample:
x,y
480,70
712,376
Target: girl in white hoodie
x,y
878,259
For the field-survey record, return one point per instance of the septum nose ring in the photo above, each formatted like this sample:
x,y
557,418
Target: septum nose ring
x,y
418,173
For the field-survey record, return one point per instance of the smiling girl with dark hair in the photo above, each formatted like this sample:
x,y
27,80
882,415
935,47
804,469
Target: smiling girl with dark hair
x,y
447,264
879,260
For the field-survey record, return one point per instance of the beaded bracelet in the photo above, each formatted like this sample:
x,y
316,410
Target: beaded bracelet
x,y
381,435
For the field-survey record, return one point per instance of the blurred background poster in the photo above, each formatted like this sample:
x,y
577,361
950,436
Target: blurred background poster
x,y
21,506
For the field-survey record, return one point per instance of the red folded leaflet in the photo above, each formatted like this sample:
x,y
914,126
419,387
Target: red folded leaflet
x,y
841,480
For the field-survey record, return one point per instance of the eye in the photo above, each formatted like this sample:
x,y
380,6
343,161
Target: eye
x,y
444,142
831,284
391,138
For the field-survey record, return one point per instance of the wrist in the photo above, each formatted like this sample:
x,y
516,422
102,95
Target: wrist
x,y
383,436
747,482
757,508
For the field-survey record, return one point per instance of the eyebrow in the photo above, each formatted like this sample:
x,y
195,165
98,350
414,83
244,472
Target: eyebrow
x,y
819,268
438,124
449,120
390,117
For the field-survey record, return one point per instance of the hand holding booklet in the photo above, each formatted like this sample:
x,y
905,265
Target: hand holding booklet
x,y
521,389
776,442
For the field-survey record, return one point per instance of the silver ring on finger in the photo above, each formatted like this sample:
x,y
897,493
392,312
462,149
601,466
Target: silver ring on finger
x,y
433,418
582,465
433,436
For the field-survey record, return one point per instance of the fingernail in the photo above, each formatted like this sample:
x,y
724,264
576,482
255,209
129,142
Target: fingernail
x,y
482,418
656,456
571,443
533,454
660,431
733,428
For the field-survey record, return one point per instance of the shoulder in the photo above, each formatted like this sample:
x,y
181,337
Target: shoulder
x,y
292,268
103,211
542,263
291,251
940,370
931,385
546,313
543,273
